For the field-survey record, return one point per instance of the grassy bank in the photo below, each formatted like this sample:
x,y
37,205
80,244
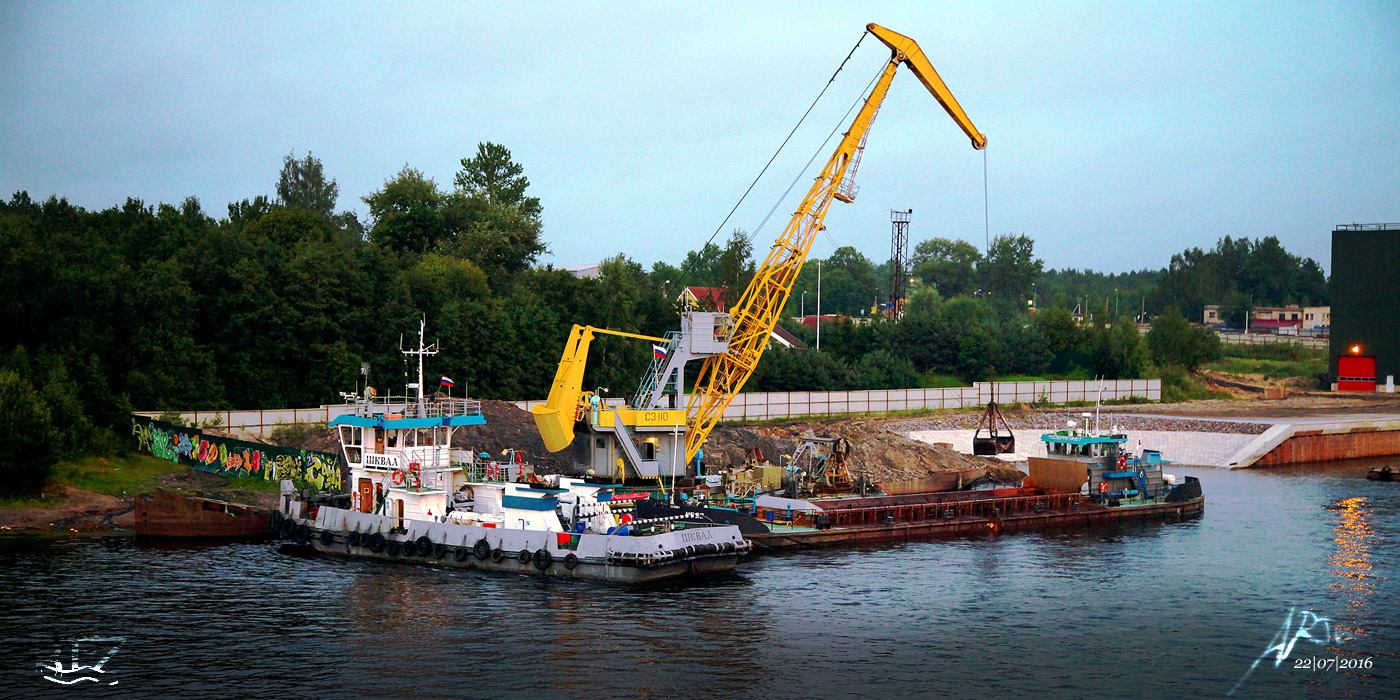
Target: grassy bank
x,y
126,475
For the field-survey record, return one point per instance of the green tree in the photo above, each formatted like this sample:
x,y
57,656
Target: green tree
x,y
849,284
1174,341
31,448
1009,271
303,185
490,216
947,265
736,267
701,268
492,175
1236,310
1119,352
1060,330
407,213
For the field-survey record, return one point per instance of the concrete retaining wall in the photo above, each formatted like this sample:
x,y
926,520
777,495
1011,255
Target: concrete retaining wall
x,y
766,405
1321,440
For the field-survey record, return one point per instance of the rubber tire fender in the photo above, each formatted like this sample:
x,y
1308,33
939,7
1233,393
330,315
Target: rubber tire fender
x,y
481,549
392,547
353,538
543,559
286,528
424,545
327,537
525,556
376,542
570,561
439,551
276,520
303,533
460,555
498,554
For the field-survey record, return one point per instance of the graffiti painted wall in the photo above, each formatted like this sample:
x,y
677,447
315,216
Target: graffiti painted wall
x,y
229,457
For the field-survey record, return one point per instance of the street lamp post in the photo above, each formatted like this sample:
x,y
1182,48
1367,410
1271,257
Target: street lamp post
x,y
804,304
818,303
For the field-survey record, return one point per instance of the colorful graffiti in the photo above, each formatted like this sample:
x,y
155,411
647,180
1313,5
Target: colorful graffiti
x,y
236,458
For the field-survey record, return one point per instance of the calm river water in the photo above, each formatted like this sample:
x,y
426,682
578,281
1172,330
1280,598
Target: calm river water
x,y
1162,611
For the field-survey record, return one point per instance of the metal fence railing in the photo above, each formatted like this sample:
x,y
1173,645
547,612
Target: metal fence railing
x,y
1272,339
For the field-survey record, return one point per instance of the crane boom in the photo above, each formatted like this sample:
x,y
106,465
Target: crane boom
x,y
722,376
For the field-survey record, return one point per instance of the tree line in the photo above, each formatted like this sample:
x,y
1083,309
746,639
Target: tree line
x,y
278,302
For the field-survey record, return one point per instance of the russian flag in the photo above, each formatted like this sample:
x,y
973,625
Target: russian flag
x,y
447,382
658,351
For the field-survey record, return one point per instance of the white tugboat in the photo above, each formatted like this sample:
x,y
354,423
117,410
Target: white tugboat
x,y
415,498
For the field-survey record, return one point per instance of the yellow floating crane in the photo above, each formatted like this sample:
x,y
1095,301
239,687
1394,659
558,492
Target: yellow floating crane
x,y
731,344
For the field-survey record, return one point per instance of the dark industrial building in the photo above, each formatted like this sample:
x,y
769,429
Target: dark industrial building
x,y
1365,289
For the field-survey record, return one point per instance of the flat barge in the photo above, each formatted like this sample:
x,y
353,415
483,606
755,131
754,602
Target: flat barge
x,y
843,522
167,514
1086,480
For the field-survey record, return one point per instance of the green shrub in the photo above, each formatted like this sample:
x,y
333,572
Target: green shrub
x,y
290,434
1180,385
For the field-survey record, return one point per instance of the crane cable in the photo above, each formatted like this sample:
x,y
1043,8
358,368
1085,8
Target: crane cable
x,y
785,141
986,217
820,150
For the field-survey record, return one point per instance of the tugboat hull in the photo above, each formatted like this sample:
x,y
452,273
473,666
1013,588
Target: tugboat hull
x,y
613,558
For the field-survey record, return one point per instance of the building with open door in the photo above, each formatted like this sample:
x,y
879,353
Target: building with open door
x,y
1365,290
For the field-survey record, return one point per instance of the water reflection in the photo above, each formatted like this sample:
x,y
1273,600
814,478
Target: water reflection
x,y
1355,580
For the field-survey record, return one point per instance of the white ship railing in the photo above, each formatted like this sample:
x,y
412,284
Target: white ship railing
x,y
407,407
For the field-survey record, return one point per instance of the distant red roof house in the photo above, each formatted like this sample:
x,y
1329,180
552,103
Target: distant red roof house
x,y
703,298
811,321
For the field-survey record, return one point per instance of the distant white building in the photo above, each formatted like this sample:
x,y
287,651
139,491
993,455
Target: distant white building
x,y
592,271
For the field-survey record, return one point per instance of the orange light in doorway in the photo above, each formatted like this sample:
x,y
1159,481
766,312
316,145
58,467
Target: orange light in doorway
x,y
1356,349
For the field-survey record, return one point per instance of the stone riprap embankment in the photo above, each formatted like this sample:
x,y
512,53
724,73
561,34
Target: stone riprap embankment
x,y
1047,421
1181,440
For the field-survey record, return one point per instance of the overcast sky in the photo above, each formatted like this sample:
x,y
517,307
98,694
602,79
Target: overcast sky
x,y
1119,132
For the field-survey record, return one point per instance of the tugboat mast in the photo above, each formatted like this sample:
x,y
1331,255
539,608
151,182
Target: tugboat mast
x,y
420,352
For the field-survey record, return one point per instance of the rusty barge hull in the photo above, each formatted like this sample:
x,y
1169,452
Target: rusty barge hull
x,y
166,514
980,517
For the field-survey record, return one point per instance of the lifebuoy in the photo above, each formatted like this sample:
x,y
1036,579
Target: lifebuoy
x,y
1122,462
481,549
570,561
498,554
425,545
376,543
396,477
543,559
461,554
1103,487
525,556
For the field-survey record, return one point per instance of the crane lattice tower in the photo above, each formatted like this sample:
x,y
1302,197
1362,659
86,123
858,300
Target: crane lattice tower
x,y
899,261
